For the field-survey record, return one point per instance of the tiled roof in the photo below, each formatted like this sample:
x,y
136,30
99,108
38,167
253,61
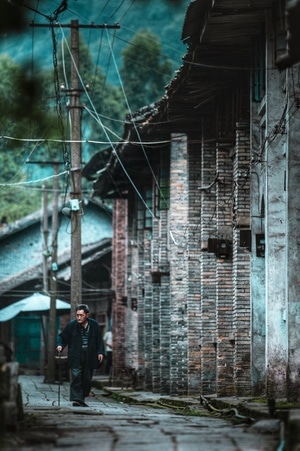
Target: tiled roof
x,y
21,243
219,37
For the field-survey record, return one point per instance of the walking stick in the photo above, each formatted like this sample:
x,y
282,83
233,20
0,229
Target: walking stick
x,y
59,378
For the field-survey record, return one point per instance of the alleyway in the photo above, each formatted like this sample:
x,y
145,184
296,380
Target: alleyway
x,y
51,422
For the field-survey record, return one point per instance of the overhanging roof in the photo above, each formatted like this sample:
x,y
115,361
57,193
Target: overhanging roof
x,y
219,36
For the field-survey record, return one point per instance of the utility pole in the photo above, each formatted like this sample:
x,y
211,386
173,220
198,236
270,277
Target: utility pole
x,y
76,152
76,161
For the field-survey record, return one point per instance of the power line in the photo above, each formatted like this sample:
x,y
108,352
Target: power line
x,y
34,181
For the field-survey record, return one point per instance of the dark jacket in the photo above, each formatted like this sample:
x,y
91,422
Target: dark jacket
x,y
71,337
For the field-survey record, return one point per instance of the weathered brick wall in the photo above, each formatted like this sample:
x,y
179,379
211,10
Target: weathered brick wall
x,y
147,327
241,263
207,193
194,275
141,305
161,304
165,336
192,323
178,229
224,287
156,317
119,272
132,285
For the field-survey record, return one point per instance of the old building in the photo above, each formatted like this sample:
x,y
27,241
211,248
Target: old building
x,y
25,269
206,212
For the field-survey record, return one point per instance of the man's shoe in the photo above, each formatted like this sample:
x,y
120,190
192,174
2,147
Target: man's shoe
x,y
83,404
79,404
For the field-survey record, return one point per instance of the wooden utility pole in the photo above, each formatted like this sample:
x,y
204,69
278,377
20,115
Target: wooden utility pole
x,y
53,283
76,191
76,195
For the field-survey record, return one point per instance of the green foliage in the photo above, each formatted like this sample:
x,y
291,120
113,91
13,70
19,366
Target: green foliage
x,y
22,106
32,106
145,71
23,113
16,201
29,108
104,107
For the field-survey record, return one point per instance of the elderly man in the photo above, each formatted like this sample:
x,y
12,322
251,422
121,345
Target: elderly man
x,y
85,351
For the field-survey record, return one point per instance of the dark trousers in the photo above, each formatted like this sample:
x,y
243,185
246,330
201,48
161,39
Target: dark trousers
x,y
108,362
81,379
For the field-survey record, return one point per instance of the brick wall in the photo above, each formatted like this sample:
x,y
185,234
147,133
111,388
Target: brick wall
x,y
208,324
178,244
224,283
119,277
193,318
194,274
241,263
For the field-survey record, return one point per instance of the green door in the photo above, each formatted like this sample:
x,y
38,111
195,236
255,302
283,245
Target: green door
x,y
28,336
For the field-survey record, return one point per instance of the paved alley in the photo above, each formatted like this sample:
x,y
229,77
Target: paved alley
x,y
52,423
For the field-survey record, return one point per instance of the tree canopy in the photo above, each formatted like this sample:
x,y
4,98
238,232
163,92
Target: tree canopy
x,y
29,110
145,70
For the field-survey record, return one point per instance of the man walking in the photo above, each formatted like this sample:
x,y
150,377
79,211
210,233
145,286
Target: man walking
x,y
85,351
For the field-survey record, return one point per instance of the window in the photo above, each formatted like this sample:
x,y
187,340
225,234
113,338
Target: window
x,y
258,67
162,191
148,211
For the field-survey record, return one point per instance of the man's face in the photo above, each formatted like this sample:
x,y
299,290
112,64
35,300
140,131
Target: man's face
x,y
81,316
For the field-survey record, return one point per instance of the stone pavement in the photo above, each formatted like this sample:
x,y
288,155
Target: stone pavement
x,y
243,407
38,395
285,416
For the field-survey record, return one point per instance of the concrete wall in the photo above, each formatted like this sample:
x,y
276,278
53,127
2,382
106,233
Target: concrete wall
x,y
292,187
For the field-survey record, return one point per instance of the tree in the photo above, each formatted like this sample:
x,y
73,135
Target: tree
x,y
28,109
144,69
104,105
22,115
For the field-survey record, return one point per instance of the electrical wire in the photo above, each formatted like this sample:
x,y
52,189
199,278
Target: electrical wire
x,y
28,182
86,141
116,10
268,140
135,127
126,11
103,9
114,152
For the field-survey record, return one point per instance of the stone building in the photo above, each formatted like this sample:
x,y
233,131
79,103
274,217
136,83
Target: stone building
x,y
206,212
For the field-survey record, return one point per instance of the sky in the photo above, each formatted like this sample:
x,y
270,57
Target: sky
x,y
34,44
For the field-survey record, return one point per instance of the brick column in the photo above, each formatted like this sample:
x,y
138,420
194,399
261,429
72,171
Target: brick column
x,y
147,325
119,265
240,338
178,231
208,262
224,293
194,275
